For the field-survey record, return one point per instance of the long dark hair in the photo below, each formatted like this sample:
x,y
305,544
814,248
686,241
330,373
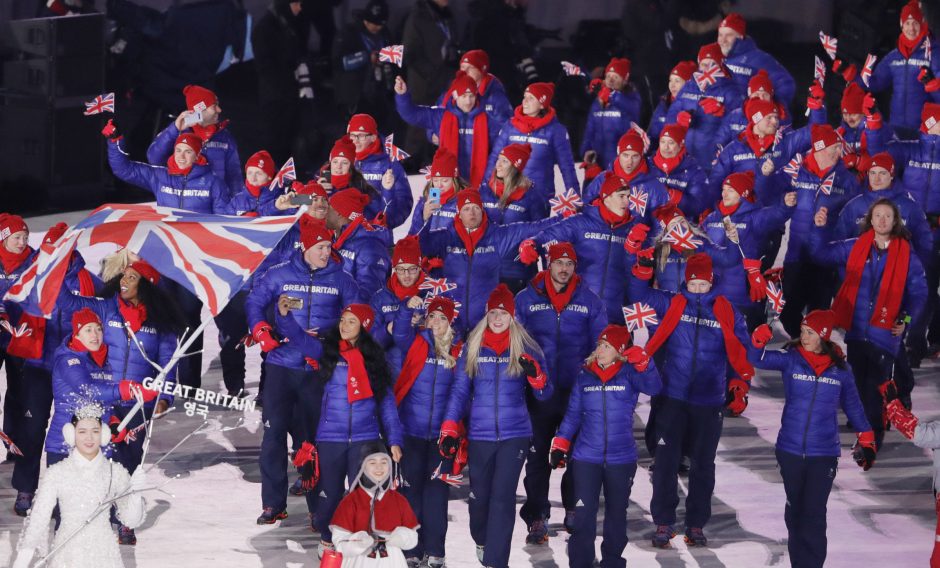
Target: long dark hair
x,y
828,348
163,313
898,230
380,378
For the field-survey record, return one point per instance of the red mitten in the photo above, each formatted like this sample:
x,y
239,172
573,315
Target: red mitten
x,y
307,462
712,106
684,119
595,85
755,280
558,454
774,275
850,160
635,238
643,269
527,252
261,333
533,371
736,397
761,336
902,419
110,131
816,91
814,104
864,451
638,357
127,387
848,72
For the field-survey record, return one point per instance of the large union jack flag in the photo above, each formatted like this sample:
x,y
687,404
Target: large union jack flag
x,y
212,256
830,44
395,153
708,77
639,315
392,54
100,104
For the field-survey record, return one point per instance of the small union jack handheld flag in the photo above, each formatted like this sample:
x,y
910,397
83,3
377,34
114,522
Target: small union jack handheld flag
x,y
708,77
100,104
639,315
830,44
394,152
870,66
437,286
394,54
819,71
638,200
566,204
793,166
571,69
285,174
775,297
826,185
682,238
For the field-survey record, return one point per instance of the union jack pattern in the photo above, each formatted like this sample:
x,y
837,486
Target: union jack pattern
x,y
927,50
793,166
708,77
100,104
638,200
568,201
285,174
392,54
571,69
775,297
645,137
826,185
639,315
437,286
393,151
870,66
830,44
682,238
819,71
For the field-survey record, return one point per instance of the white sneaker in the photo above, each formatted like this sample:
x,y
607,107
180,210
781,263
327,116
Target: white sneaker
x,y
322,547
480,553
438,561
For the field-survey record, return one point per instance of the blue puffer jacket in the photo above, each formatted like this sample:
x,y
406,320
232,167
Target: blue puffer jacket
x,y
753,223
430,117
738,156
736,122
836,253
600,414
494,400
366,259
745,59
605,125
701,139
809,199
696,362
656,194
200,190
530,207
809,425
602,261
566,338
439,220
385,304
397,200
220,151
493,100
550,146
244,202
899,74
7,279
850,219
919,162
75,376
325,293
478,274
688,178
422,409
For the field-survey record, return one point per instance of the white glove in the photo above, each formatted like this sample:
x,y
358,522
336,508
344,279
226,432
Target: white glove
x,y
403,538
24,558
357,544
139,480
305,93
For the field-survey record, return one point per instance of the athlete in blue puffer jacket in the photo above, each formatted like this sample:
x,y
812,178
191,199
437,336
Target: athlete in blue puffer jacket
x,y
759,86
613,110
374,164
445,182
490,89
475,274
462,125
744,59
534,123
882,185
362,246
499,360
917,159
256,197
703,108
218,143
678,171
816,384
678,76
186,182
599,414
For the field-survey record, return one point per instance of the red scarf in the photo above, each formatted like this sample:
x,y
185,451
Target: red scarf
x,y
414,362
447,195
484,84
818,361
373,148
605,374
339,181
86,285
348,231
499,187
470,238
908,46
666,165
357,379
560,299
401,292
727,211
100,357
479,148
254,190
641,168
758,144
207,132
724,313
811,166
891,288
175,170
135,316
498,342
527,124
609,216
11,260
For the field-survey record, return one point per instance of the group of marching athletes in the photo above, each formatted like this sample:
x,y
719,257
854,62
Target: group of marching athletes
x,y
393,365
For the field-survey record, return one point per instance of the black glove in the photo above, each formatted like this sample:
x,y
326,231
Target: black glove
x,y
557,458
448,446
933,220
528,367
926,75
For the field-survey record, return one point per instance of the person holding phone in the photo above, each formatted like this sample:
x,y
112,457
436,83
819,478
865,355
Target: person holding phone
x,y
257,197
385,175
437,205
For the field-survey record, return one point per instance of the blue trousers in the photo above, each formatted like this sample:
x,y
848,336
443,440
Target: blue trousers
x,y
189,369
546,417
130,452
12,401
37,408
339,461
807,482
871,367
285,390
617,480
702,424
494,474
427,497
233,325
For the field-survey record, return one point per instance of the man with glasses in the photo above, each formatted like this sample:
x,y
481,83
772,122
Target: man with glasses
x,y
387,177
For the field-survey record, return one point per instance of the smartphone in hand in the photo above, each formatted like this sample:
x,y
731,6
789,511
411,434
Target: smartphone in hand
x,y
295,303
434,194
192,119
301,199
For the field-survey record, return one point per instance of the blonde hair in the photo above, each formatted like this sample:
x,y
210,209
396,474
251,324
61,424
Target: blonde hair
x,y
459,185
519,342
513,181
115,263
593,356
442,347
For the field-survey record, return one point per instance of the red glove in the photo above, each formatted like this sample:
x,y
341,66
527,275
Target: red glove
x,y
684,119
307,462
712,106
848,72
638,357
930,82
816,91
54,233
595,85
850,160
774,275
675,196
533,372
736,397
527,252
864,450
313,363
591,171
635,238
604,96
431,263
127,387
261,333
902,419
117,436
449,440
761,336
558,454
110,131
643,269
755,279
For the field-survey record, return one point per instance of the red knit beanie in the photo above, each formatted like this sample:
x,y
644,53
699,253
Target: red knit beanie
x,y
562,250
674,131
684,70
667,213
363,313
9,224
612,183
698,267
83,317
407,251
735,22
198,98
757,109
760,81
820,321
444,164
929,115
463,84
146,271
823,136
263,161
852,98
362,123
444,305
191,140
882,160
349,203
313,231
620,66
478,58
543,93
502,298
469,196
743,183
618,337
310,188
630,141
343,148
912,10
517,154
711,51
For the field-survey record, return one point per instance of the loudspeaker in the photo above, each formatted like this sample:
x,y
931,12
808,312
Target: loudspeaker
x,y
57,37
60,77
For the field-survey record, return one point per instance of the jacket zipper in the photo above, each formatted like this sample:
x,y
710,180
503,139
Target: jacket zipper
x,y
496,401
610,244
809,412
431,411
698,315
182,191
604,404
